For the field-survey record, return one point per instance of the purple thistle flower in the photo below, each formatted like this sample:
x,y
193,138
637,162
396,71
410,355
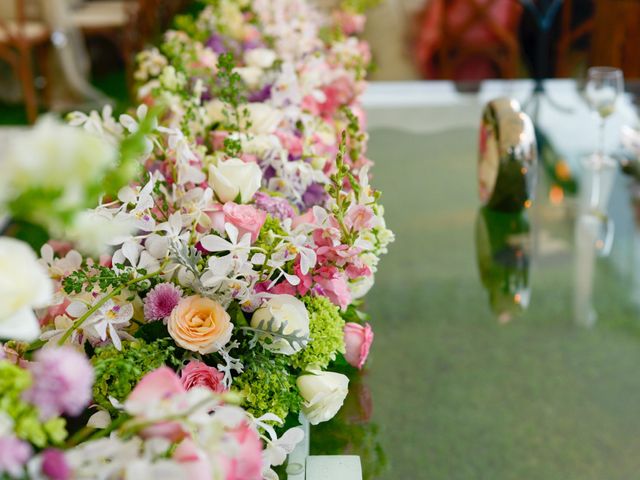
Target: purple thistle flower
x,y
161,300
277,207
14,453
62,382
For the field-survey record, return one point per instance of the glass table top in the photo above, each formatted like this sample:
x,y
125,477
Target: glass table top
x,y
463,382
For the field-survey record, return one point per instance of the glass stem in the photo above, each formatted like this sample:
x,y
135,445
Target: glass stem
x,y
600,152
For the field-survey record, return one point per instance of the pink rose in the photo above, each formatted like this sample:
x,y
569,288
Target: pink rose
x,y
357,342
199,374
246,218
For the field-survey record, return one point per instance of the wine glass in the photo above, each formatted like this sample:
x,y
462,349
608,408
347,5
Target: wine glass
x,y
604,85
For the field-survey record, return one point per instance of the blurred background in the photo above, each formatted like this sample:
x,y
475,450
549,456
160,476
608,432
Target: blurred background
x,y
59,54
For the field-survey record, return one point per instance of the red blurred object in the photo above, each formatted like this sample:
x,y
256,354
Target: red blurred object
x,y
469,39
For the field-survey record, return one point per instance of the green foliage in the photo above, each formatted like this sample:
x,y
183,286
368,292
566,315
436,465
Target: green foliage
x,y
326,332
118,372
267,385
231,90
27,424
101,277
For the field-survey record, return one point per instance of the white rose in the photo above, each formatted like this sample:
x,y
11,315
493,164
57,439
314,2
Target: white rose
x,y
250,75
260,57
323,394
288,313
234,177
24,285
262,118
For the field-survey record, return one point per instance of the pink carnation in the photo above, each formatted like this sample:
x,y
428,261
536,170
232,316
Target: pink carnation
x,y
246,218
54,465
161,300
199,374
357,342
62,382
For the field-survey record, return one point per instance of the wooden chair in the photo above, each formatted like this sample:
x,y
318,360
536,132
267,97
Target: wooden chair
x,y
455,32
570,34
19,38
616,38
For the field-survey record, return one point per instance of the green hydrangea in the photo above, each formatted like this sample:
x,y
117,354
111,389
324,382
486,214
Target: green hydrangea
x,y
326,332
267,385
26,422
266,239
118,371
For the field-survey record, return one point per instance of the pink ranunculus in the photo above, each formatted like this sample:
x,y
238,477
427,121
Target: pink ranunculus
x,y
357,342
247,465
199,374
334,285
195,462
246,218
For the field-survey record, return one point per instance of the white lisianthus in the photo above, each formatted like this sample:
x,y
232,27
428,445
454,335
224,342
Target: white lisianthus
x,y
24,285
260,57
262,118
234,177
323,394
290,315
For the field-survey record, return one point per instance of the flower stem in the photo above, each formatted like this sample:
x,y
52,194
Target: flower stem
x,y
80,320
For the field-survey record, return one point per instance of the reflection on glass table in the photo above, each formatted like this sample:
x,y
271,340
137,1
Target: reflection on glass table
x,y
455,393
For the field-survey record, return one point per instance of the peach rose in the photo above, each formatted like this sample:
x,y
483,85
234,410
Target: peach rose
x,y
200,325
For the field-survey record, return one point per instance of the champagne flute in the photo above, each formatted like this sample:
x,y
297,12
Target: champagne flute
x,y
604,85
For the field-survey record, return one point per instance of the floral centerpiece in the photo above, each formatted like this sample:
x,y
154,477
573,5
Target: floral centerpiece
x,y
198,308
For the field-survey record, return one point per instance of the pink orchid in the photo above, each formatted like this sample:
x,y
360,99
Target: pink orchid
x,y
157,386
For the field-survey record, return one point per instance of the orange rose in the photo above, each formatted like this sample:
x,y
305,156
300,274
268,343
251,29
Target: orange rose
x,y
200,325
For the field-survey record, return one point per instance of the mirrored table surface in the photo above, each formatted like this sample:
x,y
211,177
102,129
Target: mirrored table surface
x,y
505,346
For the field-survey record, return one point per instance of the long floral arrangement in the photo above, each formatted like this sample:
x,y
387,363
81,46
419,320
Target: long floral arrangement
x,y
181,324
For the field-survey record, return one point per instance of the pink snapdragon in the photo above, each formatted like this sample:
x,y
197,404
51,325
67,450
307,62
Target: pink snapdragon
x,y
333,285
